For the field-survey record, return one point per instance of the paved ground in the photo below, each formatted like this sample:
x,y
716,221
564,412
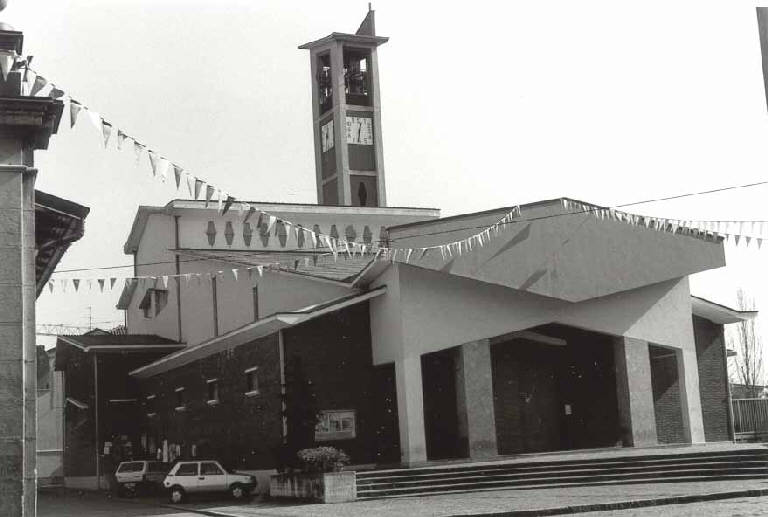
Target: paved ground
x,y
71,505
746,507
476,503
490,502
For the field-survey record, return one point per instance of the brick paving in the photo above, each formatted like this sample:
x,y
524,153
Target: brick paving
x,y
499,501
746,507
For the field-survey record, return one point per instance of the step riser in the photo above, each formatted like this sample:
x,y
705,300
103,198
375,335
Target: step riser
x,y
761,456
563,485
587,479
736,465
553,472
592,475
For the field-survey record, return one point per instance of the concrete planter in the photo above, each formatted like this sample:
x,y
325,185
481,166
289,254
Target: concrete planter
x,y
327,487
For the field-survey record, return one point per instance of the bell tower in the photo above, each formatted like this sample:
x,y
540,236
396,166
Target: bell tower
x,y
346,117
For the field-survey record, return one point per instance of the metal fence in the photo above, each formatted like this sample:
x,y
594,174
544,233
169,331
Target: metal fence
x,y
750,418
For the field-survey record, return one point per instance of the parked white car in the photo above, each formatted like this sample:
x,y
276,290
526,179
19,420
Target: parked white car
x,y
190,477
133,475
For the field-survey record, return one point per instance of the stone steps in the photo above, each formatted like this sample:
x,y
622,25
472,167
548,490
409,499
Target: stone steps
x,y
715,466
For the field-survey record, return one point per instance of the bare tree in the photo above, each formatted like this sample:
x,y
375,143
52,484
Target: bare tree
x,y
745,340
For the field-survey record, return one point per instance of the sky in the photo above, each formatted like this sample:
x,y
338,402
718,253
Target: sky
x,y
484,104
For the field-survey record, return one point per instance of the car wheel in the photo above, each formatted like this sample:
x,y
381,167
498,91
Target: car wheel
x,y
177,494
238,491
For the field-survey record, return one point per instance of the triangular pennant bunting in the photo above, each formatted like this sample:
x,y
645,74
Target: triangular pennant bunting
x,y
74,111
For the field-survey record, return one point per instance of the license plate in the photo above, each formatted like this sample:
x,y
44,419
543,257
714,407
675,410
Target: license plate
x,y
130,485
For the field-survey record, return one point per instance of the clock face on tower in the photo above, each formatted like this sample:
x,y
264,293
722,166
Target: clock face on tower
x,y
326,136
360,130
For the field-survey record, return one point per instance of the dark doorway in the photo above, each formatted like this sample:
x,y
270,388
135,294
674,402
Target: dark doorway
x,y
387,427
667,404
441,421
526,401
555,394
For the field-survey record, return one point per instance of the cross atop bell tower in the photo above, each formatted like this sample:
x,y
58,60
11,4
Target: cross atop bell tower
x,y
346,117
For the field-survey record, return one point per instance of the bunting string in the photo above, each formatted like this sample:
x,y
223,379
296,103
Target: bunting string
x,y
34,84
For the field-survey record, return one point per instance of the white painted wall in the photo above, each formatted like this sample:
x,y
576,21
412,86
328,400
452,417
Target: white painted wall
x,y
426,311
50,426
439,311
554,253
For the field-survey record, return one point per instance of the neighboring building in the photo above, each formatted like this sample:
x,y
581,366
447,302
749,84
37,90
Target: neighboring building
x,y
98,401
564,331
742,391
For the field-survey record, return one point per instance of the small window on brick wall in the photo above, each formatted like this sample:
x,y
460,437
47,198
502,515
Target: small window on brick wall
x,y
252,381
337,424
255,303
213,391
181,403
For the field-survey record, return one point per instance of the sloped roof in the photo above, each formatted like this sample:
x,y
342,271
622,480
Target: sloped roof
x,y
343,268
247,333
717,313
58,223
116,341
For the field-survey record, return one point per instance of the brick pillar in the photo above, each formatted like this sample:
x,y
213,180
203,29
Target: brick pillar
x,y
410,410
474,394
634,393
26,124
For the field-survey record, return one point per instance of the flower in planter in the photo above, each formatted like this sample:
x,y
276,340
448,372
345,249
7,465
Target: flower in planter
x,y
323,459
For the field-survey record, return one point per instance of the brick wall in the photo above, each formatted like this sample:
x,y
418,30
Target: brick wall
x,y
246,431
713,379
666,395
241,431
335,351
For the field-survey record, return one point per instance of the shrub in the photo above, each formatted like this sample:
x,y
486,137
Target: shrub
x,y
323,459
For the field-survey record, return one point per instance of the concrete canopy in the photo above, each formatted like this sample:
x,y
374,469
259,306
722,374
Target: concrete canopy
x,y
561,253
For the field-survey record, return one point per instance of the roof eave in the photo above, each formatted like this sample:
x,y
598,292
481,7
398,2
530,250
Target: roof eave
x,y
361,39
258,329
719,314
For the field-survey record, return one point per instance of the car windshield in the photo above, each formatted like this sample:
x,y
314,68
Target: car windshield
x,y
132,466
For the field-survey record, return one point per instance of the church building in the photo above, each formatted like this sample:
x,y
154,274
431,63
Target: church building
x,y
562,331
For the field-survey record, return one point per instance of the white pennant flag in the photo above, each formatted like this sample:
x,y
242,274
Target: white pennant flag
x,y
165,281
272,221
63,285
190,184
260,270
7,58
95,119
234,274
138,149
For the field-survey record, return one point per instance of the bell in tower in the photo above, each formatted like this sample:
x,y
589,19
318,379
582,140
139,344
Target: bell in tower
x,y
346,114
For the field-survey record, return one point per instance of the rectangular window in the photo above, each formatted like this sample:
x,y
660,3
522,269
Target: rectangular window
x,y
180,401
161,300
213,391
153,302
255,302
149,404
252,381
337,424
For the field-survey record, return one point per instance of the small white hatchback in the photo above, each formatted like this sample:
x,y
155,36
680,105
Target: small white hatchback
x,y
189,477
